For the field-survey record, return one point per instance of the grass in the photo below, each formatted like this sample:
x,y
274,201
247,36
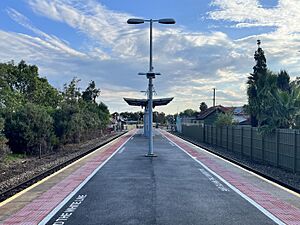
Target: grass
x,y
11,157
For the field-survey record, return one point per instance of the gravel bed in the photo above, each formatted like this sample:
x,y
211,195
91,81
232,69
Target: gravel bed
x,y
282,175
24,169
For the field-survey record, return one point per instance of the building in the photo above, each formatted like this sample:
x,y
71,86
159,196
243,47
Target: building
x,y
210,115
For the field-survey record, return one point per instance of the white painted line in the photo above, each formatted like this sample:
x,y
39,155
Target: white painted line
x,y
259,207
250,172
122,149
213,180
52,175
171,143
60,205
132,138
64,216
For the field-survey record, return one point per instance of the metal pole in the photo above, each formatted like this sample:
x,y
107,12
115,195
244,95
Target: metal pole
x,y
145,121
150,152
214,97
150,61
150,103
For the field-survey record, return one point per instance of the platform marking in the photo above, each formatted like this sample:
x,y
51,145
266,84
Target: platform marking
x,y
53,174
63,202
70,210
248,171
214,181
122,149
255,204
171,143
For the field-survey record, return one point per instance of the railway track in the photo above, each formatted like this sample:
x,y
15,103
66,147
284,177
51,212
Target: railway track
x,y
244,166
12,191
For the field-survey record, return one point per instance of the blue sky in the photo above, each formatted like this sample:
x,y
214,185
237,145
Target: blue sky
x,y
211,45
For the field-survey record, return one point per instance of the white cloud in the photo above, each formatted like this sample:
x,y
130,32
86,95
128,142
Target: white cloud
x,y
52,41
281,45
191,63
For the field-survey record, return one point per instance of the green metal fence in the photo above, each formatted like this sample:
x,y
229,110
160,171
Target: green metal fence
x,y
281,148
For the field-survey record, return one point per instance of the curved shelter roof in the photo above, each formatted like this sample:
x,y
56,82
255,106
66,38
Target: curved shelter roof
x,y
144,102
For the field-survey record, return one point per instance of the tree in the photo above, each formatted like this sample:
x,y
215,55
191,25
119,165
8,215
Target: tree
x,y
21,83
3,139
71,91
133,116
288,110
104,114
159,117
203,106
30,129
273,101
10,99
224,119
91,93
283,81
259,71
44,94
188,113
36,113
77,120
267,90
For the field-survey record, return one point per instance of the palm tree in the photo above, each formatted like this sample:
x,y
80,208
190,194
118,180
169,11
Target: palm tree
x,y
289,107
266,101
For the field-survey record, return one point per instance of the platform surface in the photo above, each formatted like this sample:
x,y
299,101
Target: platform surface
x,y
183,185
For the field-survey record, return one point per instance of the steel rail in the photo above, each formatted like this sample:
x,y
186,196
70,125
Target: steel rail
x,y
19,187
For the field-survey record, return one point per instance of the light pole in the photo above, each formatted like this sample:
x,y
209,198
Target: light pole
x,y
150,75
146,117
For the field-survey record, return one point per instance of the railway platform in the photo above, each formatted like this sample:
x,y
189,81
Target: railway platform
x,y
183,185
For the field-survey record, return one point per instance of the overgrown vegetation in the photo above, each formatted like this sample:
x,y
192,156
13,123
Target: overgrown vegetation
x,y
273,101
188,113
203,107
224,119
35,118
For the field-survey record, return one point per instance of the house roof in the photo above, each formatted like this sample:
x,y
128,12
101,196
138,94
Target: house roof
x,y
240,118
202,115
144,102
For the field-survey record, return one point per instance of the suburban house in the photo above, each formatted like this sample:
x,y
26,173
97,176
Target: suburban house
x,y
209,115
240,116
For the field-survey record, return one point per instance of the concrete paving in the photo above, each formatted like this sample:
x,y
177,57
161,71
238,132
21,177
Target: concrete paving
x,y
169,189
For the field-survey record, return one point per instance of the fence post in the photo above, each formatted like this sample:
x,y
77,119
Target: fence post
x,y
251,143
206,134
242,133
211,135
221,136
203,134
263,147
232,137
227,138
216,136
277,148
295,152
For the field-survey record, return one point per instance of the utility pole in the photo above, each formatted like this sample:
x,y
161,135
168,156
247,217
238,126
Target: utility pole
x,y
214,97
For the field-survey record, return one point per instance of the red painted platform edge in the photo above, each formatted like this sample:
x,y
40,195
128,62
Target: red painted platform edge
x,y
280,209
39,208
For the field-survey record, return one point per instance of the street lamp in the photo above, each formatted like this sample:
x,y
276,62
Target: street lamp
x,y
146,117
150,75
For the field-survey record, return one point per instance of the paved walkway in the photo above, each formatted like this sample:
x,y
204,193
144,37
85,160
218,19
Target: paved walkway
x,y
183,185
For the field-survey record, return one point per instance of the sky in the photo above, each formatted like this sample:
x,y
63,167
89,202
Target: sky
x,y
211,45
